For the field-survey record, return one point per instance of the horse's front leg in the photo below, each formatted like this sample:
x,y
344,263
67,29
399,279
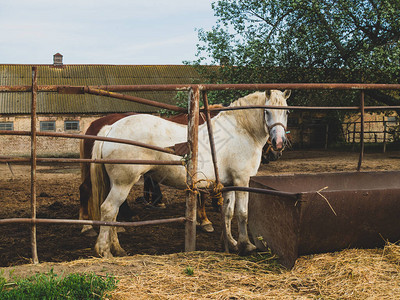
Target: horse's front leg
x,y
244,245
107,236
227,215
116,248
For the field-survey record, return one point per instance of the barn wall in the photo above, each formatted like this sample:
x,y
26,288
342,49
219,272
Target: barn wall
x,y
46,146
375,126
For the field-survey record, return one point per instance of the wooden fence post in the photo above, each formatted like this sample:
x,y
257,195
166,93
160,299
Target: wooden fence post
x,y
35,259
191,193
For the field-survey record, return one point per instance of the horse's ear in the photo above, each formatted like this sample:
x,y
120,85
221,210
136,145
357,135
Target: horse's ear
x,y
287,93
268,94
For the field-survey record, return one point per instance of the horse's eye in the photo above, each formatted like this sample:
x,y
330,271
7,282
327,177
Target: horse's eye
x,y
287,112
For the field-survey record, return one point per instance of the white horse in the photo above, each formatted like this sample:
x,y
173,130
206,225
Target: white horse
x,y
239,137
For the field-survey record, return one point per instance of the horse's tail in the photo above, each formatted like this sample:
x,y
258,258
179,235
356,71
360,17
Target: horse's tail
x,y
99,178
85,167
84,189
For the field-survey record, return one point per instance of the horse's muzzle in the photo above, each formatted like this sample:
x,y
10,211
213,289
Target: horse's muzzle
x,y
278,143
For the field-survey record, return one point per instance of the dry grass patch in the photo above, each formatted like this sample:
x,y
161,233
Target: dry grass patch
x,y
348,274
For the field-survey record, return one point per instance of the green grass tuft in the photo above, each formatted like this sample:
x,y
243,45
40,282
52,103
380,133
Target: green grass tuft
x,y
189,271
52,286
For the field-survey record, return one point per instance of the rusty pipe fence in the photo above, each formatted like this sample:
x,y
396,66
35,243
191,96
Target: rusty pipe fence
x,y
195,93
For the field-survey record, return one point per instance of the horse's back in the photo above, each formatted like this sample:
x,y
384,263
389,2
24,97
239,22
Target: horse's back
x,y
94,128
149,129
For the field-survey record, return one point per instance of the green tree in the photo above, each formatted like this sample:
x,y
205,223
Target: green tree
x,y
306,41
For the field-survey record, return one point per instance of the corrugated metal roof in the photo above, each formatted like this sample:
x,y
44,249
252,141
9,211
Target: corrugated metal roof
x,y
53,103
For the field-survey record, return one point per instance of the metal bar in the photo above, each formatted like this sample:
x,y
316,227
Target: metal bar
x,y
113,161
133,98
97,161
208,87
384,135
362,131
372,131
90,222
191,194
260,191
108,139
15,88
14,159
126,88
300,86
33,165
211,137
305,107
285,107
91,137
366,122
75,89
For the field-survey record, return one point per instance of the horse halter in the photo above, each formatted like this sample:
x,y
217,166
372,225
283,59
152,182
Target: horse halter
x,y
275,124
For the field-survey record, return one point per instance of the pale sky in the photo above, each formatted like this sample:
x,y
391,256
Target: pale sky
x,y
102,32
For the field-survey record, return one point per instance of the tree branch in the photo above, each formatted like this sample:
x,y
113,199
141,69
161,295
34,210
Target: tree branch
x,y
383,98
331,34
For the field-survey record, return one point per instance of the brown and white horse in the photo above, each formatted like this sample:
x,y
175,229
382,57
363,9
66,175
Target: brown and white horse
x,y
152,192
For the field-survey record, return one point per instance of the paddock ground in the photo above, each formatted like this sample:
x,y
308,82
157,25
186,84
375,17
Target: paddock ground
x,y
63,248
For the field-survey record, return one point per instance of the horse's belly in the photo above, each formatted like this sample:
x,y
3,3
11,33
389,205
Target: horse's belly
x,y
174,176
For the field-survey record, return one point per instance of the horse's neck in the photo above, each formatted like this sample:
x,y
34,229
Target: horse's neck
x,y
251,123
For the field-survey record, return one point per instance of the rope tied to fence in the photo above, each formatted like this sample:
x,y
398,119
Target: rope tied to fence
x,y
212,188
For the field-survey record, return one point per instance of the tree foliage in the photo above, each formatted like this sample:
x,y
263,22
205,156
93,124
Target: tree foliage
x,y
306,41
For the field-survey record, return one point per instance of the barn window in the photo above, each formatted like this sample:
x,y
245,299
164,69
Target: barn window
x,y
48,126
6,126
71,125
392,121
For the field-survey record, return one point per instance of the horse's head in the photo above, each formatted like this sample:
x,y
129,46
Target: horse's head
x,y
276,119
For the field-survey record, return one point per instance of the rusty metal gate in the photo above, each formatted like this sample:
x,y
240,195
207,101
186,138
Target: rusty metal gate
x,y
195,93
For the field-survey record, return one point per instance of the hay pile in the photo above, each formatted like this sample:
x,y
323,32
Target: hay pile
x,y
349,274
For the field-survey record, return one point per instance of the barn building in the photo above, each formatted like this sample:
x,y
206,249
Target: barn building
x,y
74,113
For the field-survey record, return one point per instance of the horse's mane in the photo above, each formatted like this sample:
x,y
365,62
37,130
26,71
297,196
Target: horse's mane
x,y
253,119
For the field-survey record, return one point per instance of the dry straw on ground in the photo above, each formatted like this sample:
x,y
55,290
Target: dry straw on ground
x,y
348,274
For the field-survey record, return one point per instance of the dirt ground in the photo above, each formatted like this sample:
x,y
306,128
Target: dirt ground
x,y
155,267
58,194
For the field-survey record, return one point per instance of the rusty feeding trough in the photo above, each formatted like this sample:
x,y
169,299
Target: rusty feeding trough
x,y
324,212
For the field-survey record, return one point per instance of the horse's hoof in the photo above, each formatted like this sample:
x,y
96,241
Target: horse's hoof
x,y
162,206
119,252
89,232
106,254
229,247
102,253
121,229
246,249
159,206
207,227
